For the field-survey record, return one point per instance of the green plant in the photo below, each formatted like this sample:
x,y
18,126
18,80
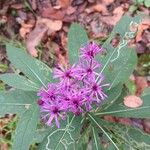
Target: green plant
x,y
89,128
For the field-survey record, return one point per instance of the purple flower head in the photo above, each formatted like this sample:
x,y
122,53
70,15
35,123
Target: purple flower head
x,y
78,89
52,111
76,102
90,50
66,75
48,94
87,69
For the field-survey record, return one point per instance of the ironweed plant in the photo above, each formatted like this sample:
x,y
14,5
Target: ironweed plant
x,y
63,108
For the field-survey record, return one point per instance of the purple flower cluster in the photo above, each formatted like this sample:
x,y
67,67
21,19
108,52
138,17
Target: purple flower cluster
x,y
79,88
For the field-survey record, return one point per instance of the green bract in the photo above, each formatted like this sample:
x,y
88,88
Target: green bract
x,y
77,133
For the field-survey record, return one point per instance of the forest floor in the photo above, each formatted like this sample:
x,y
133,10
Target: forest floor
x,y
41,26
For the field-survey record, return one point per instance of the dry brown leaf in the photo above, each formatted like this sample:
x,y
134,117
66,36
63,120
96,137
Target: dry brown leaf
x,y
53,13
143,26
141,83
25,29
34,38
70,10
117,14
107,2
100,8
132,101
64,3
53,25
43,25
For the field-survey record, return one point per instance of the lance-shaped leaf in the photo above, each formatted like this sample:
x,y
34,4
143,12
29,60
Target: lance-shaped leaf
x,y
119,62
97,124
65,136
96,143
40,134
26,128
120,110
127,137
112,96
19,82
83,140
16,101
77,37
34,69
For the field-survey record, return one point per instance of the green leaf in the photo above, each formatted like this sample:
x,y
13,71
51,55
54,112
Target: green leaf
x,y
83,140
147,3
112,96
19,82
26,128
65,136
127,137
140,2
120,110
131,86
35,70
77,37
119,62
40,134
97,124
16,101
96,144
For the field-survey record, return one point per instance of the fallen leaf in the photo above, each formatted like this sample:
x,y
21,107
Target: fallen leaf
x,y
42,27
64,3
53,25
100,8
70,10
25,29
141,83
107,2
117,14
34,38
143,26
132,101
53,13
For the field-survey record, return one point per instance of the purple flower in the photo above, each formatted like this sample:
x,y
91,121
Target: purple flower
x,y
52,111
77,89
96,89
76,102
88,101
87,69
48,94
90,50
65,75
